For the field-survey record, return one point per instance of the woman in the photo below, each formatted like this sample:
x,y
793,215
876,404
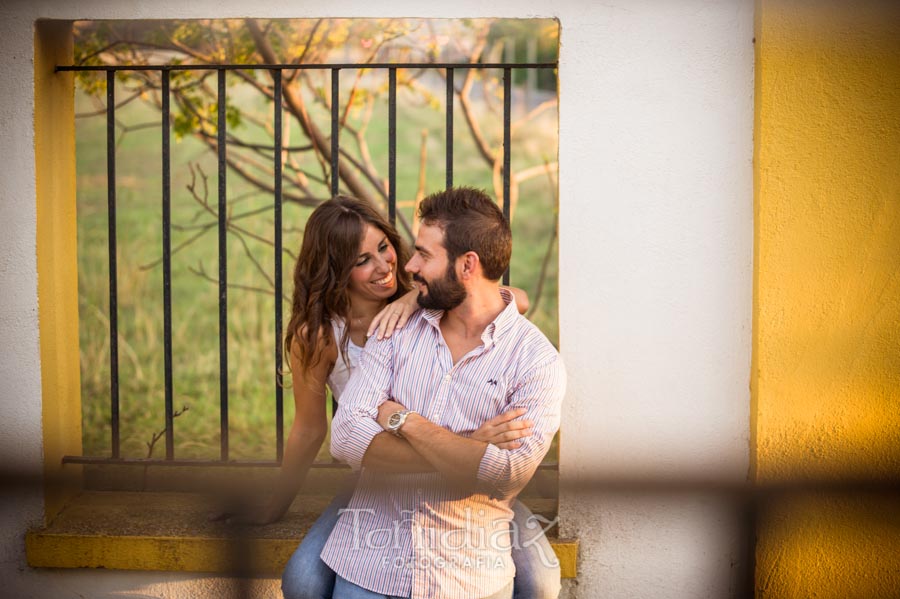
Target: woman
x,y
349,268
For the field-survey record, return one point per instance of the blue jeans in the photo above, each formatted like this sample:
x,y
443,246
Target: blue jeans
x,y
344,589
306,576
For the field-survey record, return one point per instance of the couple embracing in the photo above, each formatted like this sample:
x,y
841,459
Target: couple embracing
x,y
452,404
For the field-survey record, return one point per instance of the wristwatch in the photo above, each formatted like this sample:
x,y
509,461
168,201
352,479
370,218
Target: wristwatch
x,y
396,420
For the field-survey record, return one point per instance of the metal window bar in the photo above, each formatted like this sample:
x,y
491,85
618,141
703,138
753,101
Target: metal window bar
x,y
335,130
279,379
223,271
113,274
276,70
310,66
167,266
392,145
507,103
448,153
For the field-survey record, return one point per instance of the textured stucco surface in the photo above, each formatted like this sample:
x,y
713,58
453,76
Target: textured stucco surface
x,y
827,373
655,289
655,276
20,384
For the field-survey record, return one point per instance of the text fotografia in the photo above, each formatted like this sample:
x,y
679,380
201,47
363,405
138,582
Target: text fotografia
x,y
427,562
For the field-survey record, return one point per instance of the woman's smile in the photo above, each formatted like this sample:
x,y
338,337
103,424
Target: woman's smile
x,y
387,281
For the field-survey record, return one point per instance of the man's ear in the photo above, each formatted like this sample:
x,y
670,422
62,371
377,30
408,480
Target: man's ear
x,y
470,264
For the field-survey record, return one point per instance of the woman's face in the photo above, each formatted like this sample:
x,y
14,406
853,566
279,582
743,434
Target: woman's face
x,y
374,277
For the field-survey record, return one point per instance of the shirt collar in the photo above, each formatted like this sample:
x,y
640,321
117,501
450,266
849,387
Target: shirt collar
x,y
504,320
496,328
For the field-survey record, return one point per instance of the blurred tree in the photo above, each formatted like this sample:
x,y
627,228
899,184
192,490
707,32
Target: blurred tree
x,y
302,41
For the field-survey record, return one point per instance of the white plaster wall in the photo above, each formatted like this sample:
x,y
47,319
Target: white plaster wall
x,y
20,385
656,246
655,279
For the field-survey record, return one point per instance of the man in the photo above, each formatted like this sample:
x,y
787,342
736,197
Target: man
x,y
430,515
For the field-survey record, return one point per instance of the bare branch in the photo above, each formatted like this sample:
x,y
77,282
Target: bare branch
x,y
262,185
373,54
203,230
294,103
363,147
234,228
466,106
256,264
154,438
537,110
488,89
128,128
299,171
233,140
373,179
102,111
105,48
324,164
290,162
420,192
201,272
212,142
176,45
534,171
204,202
309,40
232,218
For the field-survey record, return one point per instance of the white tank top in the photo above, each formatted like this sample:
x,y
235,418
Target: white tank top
x,y
340,374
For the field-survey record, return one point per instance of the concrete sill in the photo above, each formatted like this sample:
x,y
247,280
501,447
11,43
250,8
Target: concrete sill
x,y
170,532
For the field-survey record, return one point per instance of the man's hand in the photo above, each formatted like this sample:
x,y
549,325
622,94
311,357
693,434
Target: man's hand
x,y
386,409
504,430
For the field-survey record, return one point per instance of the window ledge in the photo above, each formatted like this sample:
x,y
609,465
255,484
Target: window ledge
x,y
171,532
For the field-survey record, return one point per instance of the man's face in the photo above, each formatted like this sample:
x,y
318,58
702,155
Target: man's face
x,y
439,287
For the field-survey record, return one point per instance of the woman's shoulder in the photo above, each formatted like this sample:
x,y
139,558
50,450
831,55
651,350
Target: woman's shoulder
x,y
323,346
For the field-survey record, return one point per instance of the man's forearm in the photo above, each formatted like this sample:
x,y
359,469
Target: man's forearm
x,y
457,458
388,453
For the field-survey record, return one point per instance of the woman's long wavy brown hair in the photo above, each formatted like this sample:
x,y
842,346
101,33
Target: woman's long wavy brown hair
x,y
329,252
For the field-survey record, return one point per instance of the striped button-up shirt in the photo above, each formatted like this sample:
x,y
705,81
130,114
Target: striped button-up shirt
x,y
414,535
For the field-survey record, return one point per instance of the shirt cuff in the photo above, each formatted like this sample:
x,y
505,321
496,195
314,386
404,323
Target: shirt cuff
x,y
359,440
493,466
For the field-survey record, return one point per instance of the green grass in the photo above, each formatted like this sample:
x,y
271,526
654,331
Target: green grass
x,y
251,338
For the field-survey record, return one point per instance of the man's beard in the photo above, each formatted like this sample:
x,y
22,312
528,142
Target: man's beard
x,y
443,294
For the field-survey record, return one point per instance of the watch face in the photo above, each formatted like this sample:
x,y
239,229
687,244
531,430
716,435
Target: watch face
x,y
394,420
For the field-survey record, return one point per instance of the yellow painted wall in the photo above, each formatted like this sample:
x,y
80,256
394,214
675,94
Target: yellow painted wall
x,y
54,145
826,371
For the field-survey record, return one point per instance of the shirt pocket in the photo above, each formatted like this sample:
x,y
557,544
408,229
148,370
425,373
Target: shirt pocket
x,y
475,401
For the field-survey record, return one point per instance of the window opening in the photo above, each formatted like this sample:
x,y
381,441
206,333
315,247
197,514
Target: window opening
x,y
220,137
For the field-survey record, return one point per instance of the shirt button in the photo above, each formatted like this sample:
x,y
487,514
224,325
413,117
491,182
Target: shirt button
x,y
448,377
434,417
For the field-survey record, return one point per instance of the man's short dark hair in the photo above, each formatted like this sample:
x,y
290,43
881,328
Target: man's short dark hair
x,y
472,222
